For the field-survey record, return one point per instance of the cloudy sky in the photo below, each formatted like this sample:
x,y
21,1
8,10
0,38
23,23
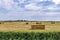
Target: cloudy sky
x,y
41,10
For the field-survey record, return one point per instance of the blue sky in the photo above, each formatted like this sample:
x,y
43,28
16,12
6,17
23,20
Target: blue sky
x,y
40,10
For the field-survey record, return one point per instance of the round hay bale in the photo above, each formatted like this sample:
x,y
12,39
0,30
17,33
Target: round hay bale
x,y
27,23
0,23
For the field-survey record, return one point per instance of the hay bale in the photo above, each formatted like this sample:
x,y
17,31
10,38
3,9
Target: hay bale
x,y
38,27
27,23
38,23
0,23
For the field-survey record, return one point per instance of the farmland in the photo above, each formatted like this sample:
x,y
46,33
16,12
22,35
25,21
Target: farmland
x,y
30,35
24,31
29,25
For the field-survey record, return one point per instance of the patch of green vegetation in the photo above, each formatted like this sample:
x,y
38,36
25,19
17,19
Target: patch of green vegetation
x,y
30,35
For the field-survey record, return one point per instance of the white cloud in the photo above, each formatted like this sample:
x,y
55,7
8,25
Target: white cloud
x,y
7,4
56,1
34,1
32,7
52,13
0,2
39,0
51,7
21,1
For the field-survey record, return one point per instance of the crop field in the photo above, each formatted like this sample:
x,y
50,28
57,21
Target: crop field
x,y
30,35
23,31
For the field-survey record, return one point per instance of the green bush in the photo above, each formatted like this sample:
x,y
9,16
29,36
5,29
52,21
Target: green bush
x,y
29,35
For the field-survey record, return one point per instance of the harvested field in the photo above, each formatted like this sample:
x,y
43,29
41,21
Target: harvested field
x,y
29,25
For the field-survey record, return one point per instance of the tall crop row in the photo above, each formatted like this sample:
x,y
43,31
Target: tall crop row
x,y
29,35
